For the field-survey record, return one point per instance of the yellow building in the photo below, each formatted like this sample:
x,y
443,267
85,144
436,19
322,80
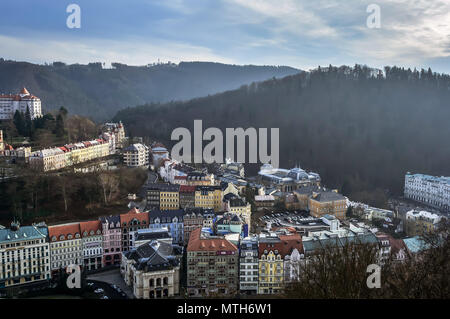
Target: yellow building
x,y
421,222
209,197
324,202
169,198
270,266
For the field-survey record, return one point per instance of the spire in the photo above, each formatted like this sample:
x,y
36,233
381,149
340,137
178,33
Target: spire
x,y
24,92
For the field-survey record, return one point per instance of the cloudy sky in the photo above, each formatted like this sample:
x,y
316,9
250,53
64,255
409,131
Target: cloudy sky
x,y
298,33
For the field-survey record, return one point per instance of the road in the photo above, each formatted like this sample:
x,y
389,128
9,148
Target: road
x,y
112,277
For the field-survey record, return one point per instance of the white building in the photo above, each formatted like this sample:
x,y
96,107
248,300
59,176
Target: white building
x,y
65,246
24,255
92,243
136,155
430,190
248,269
10,103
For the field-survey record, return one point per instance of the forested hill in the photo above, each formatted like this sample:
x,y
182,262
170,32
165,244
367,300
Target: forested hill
x,y
362,131
90,90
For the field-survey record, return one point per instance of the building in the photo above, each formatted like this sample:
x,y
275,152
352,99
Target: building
x,y
112,240
136,155
24,255
229,223
158,153
199,179
130,223
92,243
152,270
271,268
421,222
146,235
430,190
248,265
163,196
187,196
48,159
10,103
212,265
238,206
326,202
170,219
287,180
209,197
193,219
117,130
2,143
65,246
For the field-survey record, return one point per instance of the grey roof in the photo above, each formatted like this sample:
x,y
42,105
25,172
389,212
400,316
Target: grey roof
x,y
23,233
163,187
307,190
327,196
152,235
166,216
335,241
153,256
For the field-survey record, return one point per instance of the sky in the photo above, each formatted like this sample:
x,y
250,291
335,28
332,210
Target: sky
x,y
297,33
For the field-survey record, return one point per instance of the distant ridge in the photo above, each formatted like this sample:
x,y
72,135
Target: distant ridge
x,y
98,92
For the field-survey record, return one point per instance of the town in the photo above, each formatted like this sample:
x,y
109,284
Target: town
x,y
197,230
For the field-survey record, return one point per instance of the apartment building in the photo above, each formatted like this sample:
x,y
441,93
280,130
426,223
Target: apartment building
x,y
421,222
112,240
136,155
187,196
65,246
92,244
117,130
24,255
430,190
193,219
238,206
163,196
130,223
171,219
248,265
209,197
212,265
271,268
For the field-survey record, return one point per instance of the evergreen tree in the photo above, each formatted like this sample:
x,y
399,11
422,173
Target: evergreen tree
x,y
19,122
59,128
28,123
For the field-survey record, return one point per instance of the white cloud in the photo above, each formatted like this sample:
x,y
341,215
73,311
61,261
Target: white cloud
x,y
135,51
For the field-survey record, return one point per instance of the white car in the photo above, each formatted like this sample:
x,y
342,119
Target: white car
x,y
99,291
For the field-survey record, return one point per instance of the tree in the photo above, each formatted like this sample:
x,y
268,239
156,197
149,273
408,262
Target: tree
x,y
110,186
19,122
28,123
59,127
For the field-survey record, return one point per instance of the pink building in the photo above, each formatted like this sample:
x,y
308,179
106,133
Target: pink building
x,y
112,240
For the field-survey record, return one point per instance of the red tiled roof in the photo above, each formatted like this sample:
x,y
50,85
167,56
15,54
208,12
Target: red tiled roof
x,y
285,246
24,91
180,177
65,230
134,214
208,244
93,225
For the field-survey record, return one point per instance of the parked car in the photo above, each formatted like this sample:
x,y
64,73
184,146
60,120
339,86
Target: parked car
x,y
99,291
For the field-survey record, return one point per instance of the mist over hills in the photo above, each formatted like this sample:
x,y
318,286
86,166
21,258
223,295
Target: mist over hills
x,y
360,130
98,92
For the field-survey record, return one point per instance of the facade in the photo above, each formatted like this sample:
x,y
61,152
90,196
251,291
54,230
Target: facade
x,y
193,219
130,223
248,265
2,143
163,196
187,196
24,255
158,153
152,270
229,223
430,190
209,197
325,202
65,246
112,240
292,253
136,155
239,207
70,154
421,222
170,219
117,130
92,243
271,266
10,103
212,265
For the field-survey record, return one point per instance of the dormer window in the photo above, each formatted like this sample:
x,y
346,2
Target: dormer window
x,y
61,237
85,233
54,238
69,236
77,235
